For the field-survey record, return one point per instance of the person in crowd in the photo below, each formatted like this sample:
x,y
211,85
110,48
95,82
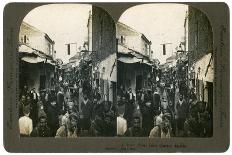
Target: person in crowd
x,y
47,100
25,123
96,94
73,126
135,130
164,104
29,104
24,91
40,106
34,95
98,108
147,116
166,126
52,116
60,100
204,120
42,129
171,118
192,93
109,120
143,94
70,109
148,97
156,131
86,115
138,98
181,114
129,110
42,98
121,91
75,98
68,129
191,125
171,98
131,96
97,126
121,121
23,103
34,107
193,103
156,100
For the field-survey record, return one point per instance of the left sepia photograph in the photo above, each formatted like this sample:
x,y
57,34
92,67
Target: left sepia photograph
x,y
67,72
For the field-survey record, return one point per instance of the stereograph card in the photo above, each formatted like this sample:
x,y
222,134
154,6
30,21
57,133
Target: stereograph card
x,y
116,77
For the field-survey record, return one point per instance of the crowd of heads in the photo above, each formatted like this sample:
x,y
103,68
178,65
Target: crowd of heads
x,y
62,113
162,112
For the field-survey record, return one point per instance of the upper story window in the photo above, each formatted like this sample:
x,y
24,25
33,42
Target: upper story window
x,y
123,39
24,39
50,49
146,49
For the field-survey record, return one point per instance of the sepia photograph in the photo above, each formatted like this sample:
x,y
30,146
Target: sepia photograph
x,y
165,72
116,77
81,74
67,72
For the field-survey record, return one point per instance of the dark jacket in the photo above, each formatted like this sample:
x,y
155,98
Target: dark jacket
x,y
38,132
60,101
52,117
98,110
131,132
156,101
182,110
86,112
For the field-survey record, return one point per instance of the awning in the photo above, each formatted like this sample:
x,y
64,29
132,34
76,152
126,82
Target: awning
x,y
29,50
129,60
51,62
139,55
108,69
25,49
147,63
32,59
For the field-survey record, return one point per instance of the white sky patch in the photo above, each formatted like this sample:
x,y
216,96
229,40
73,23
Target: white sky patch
x,y
64,23
160,23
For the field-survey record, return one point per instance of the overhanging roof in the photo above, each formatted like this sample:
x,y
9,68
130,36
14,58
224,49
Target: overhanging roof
x,y
129,60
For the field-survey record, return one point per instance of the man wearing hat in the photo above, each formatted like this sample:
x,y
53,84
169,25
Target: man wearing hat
x,y
42,129
156,131
162,127
25,123
52,116
136,130
121,121
69,127
166,126
181,110
156,100
72,126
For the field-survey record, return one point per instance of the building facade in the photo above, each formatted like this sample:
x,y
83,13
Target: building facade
x,y
36,52
134,59
36,39
104,67
133,39
201,61
200,47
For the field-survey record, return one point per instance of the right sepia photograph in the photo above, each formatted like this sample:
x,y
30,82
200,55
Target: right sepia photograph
x,y
165,72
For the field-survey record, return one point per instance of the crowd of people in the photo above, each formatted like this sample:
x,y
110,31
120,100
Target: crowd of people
x,y
164,112
161,112
58,113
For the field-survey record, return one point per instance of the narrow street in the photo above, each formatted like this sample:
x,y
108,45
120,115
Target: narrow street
x,y
95,77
